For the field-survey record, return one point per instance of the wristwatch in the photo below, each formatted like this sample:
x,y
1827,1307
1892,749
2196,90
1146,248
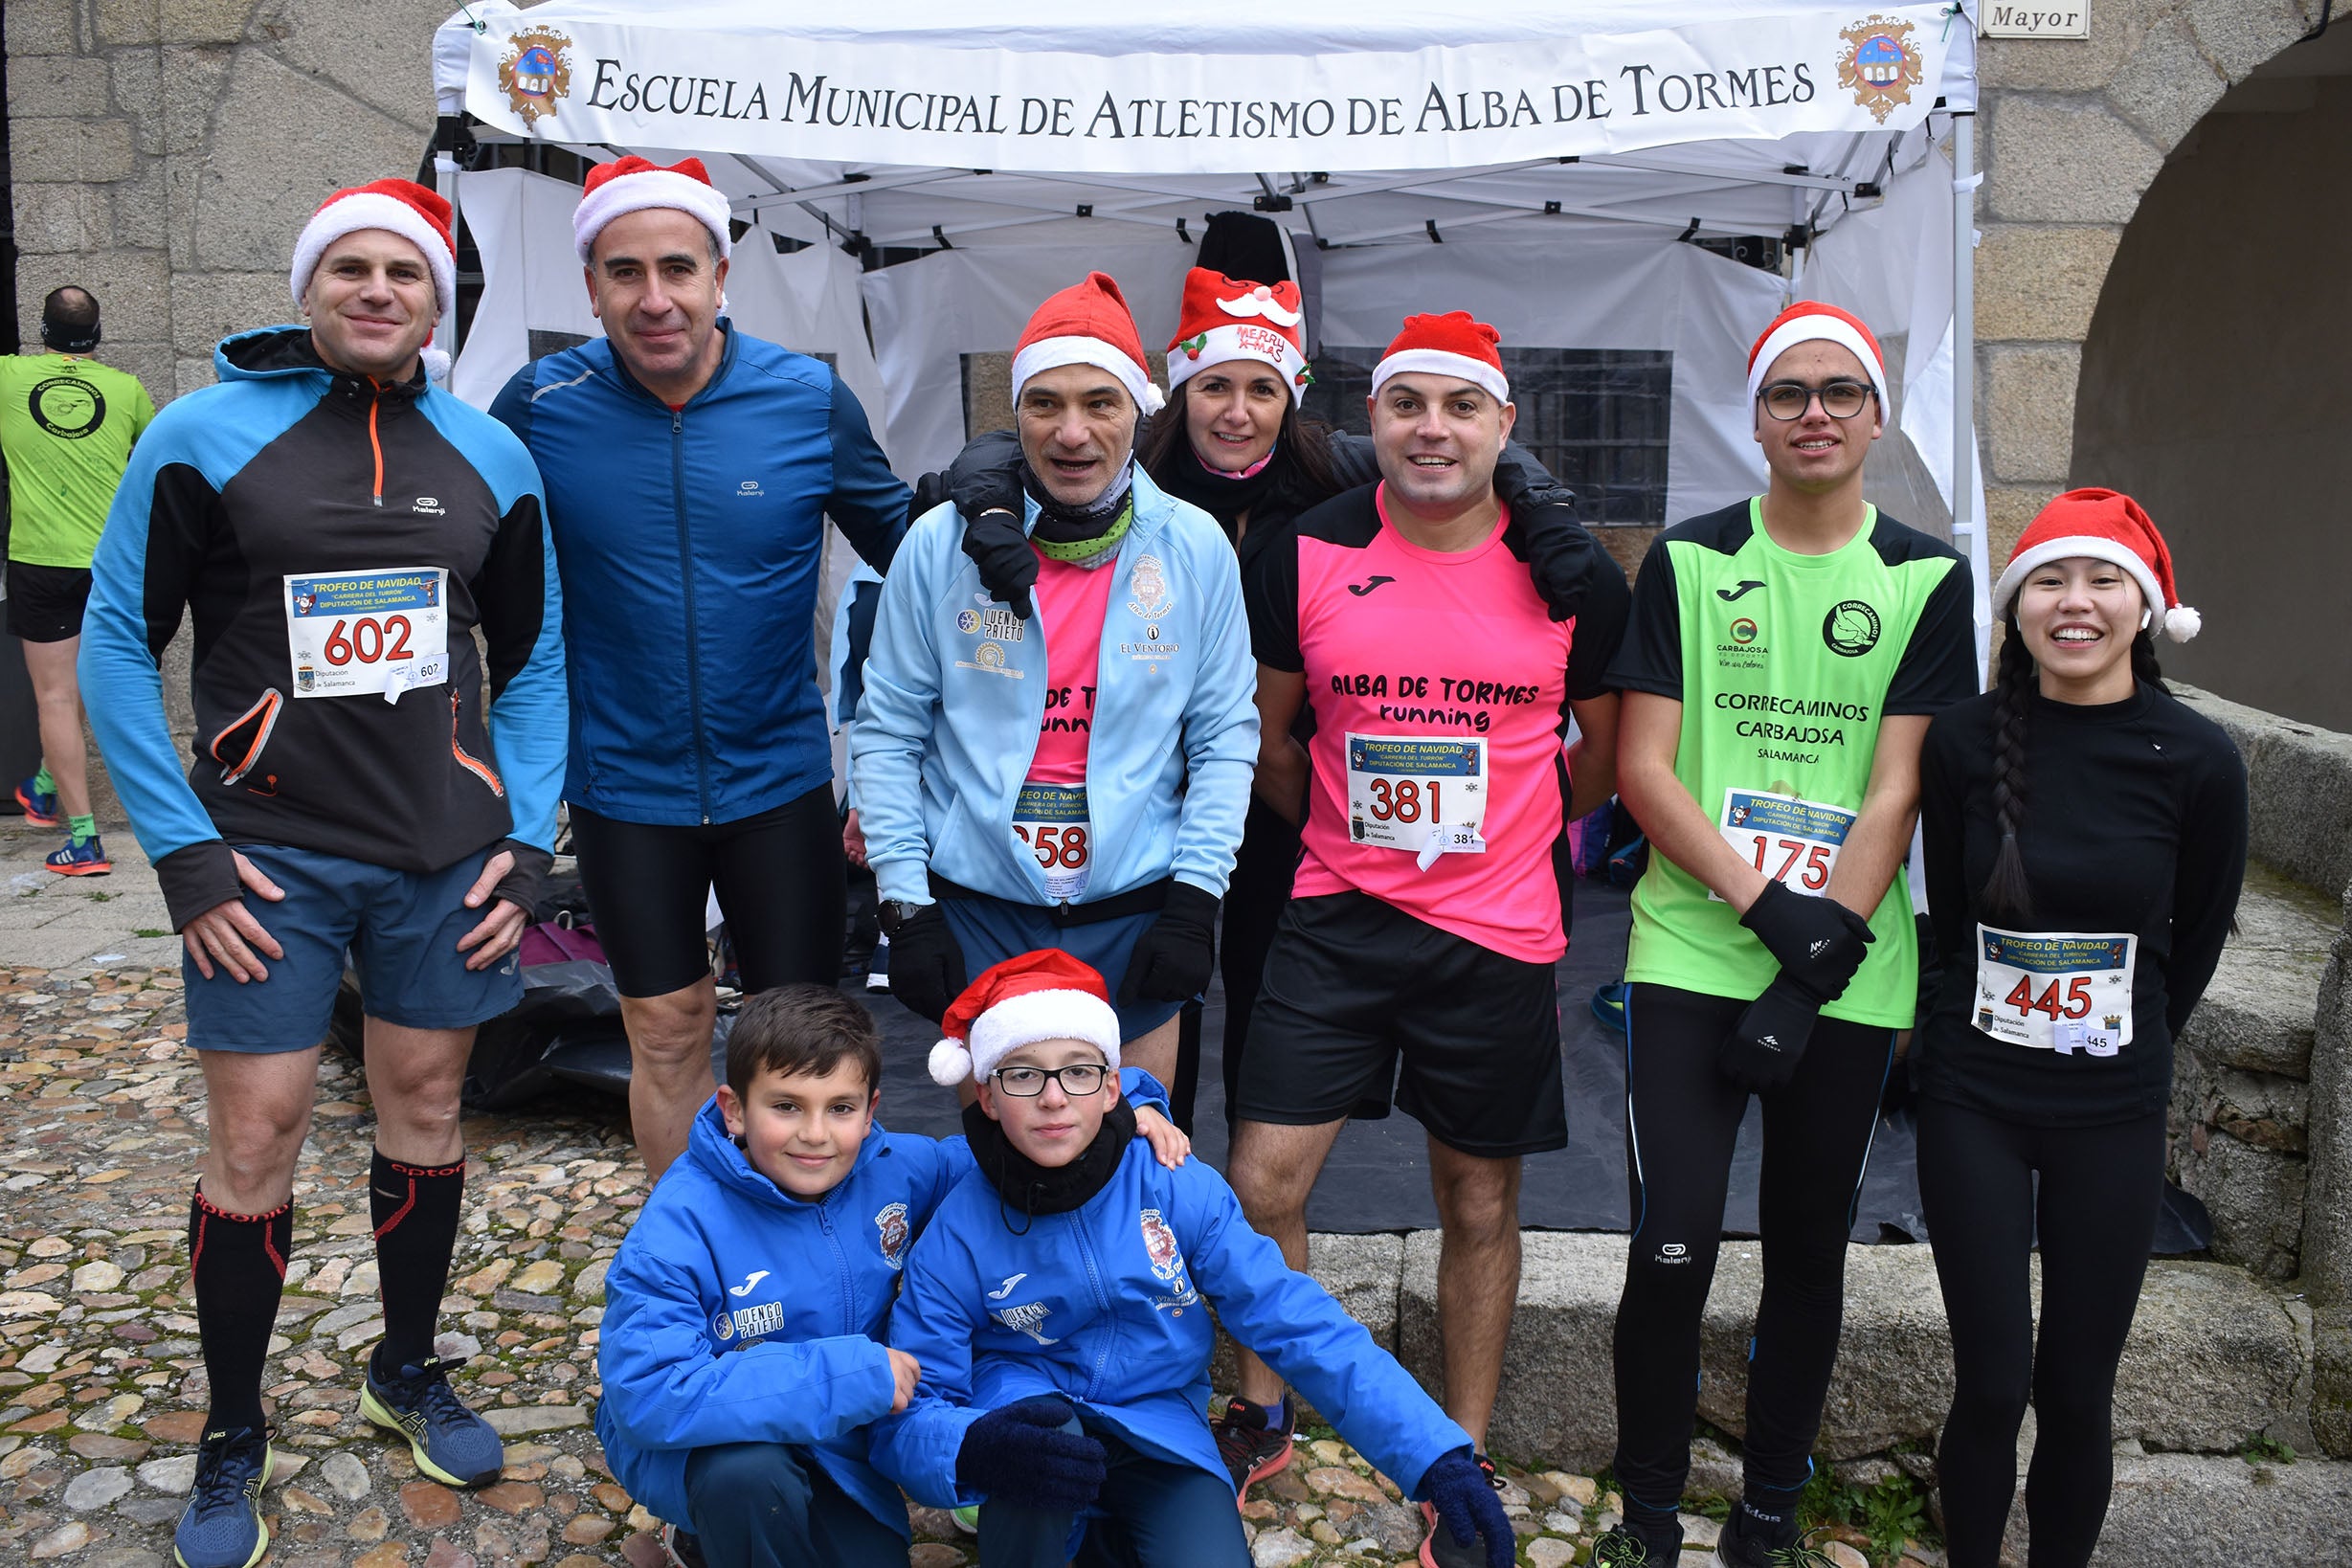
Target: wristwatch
x,y
895,912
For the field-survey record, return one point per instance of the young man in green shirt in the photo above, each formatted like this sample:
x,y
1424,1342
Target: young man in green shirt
x,y
67,424
1784,658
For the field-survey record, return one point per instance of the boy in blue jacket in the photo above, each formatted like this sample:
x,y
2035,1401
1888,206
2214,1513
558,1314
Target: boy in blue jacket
x,y
741,1355
1059,1304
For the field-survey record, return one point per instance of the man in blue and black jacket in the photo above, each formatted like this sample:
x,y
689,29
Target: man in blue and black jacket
x,y
340,530
690,469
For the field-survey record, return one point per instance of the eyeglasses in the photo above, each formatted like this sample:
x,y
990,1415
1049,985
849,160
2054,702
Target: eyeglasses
x,y
1786,401
1028,1083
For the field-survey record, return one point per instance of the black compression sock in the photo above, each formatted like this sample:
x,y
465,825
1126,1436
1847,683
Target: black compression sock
x,y
415,1209
238,1263
1768,1514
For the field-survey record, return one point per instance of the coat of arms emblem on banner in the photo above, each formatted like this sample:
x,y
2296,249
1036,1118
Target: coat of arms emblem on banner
x,y
536,73
1880,63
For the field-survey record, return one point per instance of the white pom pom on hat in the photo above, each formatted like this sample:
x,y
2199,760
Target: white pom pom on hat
x,y
1032,996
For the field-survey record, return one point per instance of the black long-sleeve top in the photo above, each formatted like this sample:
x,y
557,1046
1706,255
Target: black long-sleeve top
x,y
2134,821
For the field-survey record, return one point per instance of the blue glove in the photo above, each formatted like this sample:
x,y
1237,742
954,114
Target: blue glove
x,y
1021,1455
1463,1493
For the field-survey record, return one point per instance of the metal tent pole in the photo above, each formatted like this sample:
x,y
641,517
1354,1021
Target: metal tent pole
x,y
1967,528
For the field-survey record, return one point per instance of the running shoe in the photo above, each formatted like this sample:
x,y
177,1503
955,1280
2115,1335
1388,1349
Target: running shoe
x,y
967,1518
1609,1005
682,1547
451,1445
878,967
83,858
1622,1548
40,806
1737,1548
1251,1447
1438,1547
222,1526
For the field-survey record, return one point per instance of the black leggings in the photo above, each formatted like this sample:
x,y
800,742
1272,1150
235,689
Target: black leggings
x,y
1264,869
2101,1188
782,884
1681,1118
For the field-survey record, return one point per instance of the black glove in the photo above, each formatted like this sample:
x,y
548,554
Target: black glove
x,y
1021,1455
1463,1493
927,967
985,482
1176,952
1763,1048
1819,942
1549,538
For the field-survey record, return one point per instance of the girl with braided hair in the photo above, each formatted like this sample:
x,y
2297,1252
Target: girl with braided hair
x,y
2085,836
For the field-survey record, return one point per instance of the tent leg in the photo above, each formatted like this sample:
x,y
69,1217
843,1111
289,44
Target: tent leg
x,y
445,183
1967,528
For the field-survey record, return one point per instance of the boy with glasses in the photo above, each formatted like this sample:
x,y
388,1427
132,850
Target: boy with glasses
x,y
1784,658
1059,1304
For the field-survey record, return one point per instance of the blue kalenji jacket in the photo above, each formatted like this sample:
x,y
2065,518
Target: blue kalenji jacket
x,y
235,497
1107,1307
736,1314
956,689
689,542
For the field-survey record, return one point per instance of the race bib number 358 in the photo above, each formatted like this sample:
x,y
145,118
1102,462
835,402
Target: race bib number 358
x,y
366,634
2057,991
1051,820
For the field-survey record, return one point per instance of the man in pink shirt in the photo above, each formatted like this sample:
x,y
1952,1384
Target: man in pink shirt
x,y
1429,907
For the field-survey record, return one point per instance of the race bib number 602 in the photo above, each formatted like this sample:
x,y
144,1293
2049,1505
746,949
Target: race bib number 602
x,y
366,634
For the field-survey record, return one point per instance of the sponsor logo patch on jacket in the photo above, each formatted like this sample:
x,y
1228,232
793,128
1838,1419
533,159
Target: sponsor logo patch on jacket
x,y
891,1229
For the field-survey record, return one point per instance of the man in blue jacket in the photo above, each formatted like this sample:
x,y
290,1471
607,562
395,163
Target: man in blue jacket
x,y
1077,781
741,1350
1059,1306
339,529
690,470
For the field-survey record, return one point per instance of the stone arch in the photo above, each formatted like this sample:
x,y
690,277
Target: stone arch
x,y
2073,136
2213,384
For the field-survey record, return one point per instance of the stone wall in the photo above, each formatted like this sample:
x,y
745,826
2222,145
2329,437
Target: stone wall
x,y
2074,133
166,154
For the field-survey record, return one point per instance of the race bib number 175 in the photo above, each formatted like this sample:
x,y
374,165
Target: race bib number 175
x,y
1793,841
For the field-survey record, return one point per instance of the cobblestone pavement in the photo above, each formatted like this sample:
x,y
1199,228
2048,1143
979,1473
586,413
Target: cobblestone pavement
x,y
103,1391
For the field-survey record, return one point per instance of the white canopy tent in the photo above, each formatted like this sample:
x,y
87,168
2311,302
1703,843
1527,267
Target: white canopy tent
x,y
1538,163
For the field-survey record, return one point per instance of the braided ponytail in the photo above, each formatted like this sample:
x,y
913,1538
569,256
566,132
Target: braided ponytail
x,y
2144,668
2005,895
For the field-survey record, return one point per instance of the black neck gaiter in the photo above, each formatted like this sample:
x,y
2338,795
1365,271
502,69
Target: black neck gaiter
x,y
1028,1189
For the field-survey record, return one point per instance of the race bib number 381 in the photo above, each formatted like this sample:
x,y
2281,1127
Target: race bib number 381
x,y
365,633
2057,991
1423,794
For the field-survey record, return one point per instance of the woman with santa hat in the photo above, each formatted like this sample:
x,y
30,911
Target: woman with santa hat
x,y
2085,836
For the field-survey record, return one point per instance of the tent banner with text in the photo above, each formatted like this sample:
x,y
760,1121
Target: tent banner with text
x,y
767,92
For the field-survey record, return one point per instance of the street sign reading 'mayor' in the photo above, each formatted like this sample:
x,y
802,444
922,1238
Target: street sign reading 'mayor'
x,y
2036,20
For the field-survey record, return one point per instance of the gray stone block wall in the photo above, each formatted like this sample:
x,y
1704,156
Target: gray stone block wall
x,y
165,153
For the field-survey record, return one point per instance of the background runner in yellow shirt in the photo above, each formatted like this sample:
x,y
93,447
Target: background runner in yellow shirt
x,y
67,424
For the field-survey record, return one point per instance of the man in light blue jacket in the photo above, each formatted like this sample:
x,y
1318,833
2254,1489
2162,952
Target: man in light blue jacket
x,y
1077,781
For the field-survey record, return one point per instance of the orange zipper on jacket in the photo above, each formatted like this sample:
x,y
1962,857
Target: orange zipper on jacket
x,y
375,400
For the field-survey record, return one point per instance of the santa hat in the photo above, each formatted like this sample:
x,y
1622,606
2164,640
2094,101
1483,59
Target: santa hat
x,y
1031,997
633,184
1087,323
1809,321
2105,526
1226,319
400,207
1452,345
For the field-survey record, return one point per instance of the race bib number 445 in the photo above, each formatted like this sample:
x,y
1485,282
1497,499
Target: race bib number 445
x,y
1793,841
2057,991
1423,794
365,633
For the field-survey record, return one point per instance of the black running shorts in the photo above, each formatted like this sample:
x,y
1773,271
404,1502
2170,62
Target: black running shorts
x,y
1354,986
46,602
782,886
